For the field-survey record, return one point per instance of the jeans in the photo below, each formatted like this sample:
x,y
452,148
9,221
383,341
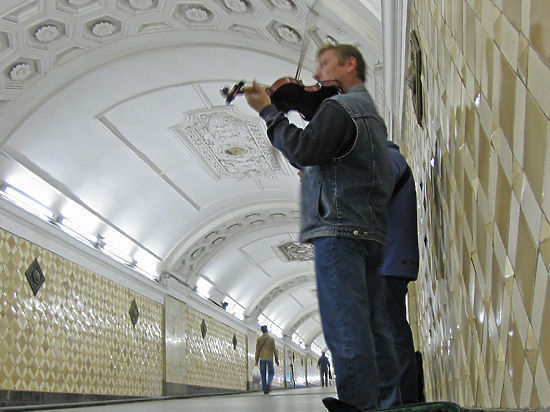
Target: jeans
x,y
354,319
270,373
395,291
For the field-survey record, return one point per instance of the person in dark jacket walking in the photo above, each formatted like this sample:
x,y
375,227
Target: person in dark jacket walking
x,y
324,368
399,267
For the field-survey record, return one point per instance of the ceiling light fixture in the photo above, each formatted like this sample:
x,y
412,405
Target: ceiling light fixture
x,y
232,307
76,231
25,202
203,288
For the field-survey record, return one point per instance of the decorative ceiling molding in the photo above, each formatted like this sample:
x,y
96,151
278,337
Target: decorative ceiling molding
x,y
261,302
308,313
285,5
103,28
64,29
317,335
215,239
236,6
46,33
294,251
143,4
228,144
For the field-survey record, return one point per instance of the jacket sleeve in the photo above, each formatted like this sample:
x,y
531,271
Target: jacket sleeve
x,y
330,134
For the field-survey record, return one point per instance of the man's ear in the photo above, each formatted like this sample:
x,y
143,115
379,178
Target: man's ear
x,y
351,64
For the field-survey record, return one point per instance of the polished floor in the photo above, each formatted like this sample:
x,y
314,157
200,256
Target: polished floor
x,y
284,400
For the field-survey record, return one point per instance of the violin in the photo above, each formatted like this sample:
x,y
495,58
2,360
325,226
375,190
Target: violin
x,y
289,94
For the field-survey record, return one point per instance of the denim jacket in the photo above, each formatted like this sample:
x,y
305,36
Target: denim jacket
x,y
348,195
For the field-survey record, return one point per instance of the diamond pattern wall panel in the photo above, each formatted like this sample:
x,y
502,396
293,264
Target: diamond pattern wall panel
x,y
75,335
211,361
482,166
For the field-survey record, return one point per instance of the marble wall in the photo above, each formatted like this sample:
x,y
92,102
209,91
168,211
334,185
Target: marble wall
x,y
313,375
295,368
75,335
481,160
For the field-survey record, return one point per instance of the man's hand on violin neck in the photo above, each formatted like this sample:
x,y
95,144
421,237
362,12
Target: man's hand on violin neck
x,y
256,96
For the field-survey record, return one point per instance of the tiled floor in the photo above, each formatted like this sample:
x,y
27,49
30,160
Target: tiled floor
x,y
302,400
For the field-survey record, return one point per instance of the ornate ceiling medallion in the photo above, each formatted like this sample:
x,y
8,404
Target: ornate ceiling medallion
x,y
197,14
141,4
239,6
228,145
284,33
20,72
46,33
103,28
288,33
294,252
285,5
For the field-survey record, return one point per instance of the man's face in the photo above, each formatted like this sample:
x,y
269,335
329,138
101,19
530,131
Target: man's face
x,y
328,67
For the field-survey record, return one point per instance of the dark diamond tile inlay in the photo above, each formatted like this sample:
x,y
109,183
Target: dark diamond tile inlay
x,y
35,276
134,313
203,329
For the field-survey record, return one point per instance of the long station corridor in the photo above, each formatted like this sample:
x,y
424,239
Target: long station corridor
x,y
148,227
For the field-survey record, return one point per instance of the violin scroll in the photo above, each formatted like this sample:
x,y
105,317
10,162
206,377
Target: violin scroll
x,y
230,94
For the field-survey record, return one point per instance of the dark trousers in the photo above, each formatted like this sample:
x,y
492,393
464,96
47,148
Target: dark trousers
x,y
395,292
324,377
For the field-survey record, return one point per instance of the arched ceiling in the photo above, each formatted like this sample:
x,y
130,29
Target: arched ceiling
x,y
111,109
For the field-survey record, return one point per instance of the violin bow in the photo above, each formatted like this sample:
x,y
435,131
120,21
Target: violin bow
x,y
305,40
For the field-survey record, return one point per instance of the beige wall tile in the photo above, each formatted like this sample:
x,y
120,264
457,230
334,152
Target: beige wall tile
x,y
469,36
534,156
523,56
502,212
526,387
542,383
538,73
507,100
75,335
488,150
525,17
489,15
539,32
512,10
511,249
545,241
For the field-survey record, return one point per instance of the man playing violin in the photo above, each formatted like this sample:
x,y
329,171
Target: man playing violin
x,y
346,185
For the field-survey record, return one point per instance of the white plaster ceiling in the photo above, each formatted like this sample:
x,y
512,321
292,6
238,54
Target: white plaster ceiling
x,y
114,105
